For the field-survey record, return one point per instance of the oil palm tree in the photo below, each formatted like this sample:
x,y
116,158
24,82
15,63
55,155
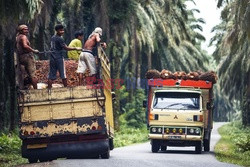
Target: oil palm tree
x,y
232,39
12,13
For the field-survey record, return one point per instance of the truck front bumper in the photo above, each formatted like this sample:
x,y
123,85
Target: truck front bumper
x,y
177,140
76,149
177,137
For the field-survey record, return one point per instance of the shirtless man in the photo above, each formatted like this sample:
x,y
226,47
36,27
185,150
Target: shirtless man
x,y
25,53
87,60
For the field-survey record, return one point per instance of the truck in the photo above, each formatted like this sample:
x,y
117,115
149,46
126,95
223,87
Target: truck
x,y
67,122
179,113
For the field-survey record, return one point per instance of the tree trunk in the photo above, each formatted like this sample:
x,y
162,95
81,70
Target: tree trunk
x,y
11,110
104,19
1,81
39,43
115,59
115,69
132,60
246,104
149,54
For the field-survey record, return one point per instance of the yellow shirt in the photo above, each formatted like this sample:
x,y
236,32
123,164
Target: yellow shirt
x,y
73,54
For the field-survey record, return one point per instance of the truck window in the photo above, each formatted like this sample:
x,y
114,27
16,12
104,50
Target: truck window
x,y
176,100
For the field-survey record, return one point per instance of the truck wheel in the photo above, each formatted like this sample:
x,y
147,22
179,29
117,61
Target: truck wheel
x,y
43,159
111,144
95,156
155,146
163,148
198,148
207,145
105,155
32,160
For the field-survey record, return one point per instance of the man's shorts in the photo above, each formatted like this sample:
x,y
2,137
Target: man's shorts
x,y
57,64
86,61
28,61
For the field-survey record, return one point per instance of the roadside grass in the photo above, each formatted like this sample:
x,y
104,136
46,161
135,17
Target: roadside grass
x,y
10,150
128,135
234,145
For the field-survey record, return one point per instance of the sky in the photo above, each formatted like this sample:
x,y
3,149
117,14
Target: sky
x,y
211,14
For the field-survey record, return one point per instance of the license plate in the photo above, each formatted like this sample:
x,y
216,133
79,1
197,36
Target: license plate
x,y
34,146
174,137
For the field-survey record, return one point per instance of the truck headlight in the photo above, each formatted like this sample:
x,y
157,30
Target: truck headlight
x,y
197,131
159,130
191,130
153,130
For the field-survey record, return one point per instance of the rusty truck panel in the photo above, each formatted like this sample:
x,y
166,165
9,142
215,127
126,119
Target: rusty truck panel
x,y
67,122
59,114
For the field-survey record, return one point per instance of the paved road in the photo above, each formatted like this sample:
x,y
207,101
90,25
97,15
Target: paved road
x,y
140,155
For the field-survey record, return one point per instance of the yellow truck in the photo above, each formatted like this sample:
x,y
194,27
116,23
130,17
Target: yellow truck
x,y
179,113
70,122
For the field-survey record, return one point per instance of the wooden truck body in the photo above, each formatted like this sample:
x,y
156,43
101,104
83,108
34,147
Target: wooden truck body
x,y
71,122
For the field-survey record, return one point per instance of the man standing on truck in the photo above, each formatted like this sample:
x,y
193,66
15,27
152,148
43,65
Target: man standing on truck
x,y
25,54
56,58
87,59
77,42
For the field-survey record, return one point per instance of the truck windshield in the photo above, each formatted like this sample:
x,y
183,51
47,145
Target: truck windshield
x,y
176,100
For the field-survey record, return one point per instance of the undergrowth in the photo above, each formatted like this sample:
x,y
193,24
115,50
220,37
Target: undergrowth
x,y
234,145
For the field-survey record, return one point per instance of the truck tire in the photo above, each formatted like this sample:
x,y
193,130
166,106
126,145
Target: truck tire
x,y
198,148
32,159
105,155
207,145
206,142
111,144
43,159
163,148
155,146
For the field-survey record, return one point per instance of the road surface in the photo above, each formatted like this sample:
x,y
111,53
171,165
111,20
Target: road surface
x,y
140,155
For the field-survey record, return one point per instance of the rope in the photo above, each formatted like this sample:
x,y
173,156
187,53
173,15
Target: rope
x,y
98,100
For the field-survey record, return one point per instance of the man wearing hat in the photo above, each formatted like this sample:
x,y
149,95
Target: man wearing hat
x,y
87,60
25,53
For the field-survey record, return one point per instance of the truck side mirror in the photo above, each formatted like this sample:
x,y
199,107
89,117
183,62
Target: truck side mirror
x,y
209,107
113,95
144,103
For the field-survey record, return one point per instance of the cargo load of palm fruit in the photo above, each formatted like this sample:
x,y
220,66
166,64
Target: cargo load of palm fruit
x,y
195,75
42,71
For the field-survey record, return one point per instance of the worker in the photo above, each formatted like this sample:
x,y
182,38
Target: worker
x,y
77,42
25,53
87,59
56,58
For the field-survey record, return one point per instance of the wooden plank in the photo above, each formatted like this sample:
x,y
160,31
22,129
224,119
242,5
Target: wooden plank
x,y
41,95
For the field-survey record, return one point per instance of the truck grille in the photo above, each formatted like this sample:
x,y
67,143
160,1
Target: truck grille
x,y
176,130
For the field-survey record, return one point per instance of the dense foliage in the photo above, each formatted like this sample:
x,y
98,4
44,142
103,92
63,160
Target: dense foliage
x,y
10,153
233,54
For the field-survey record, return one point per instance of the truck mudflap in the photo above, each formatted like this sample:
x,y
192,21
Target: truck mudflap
x,y
79,149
